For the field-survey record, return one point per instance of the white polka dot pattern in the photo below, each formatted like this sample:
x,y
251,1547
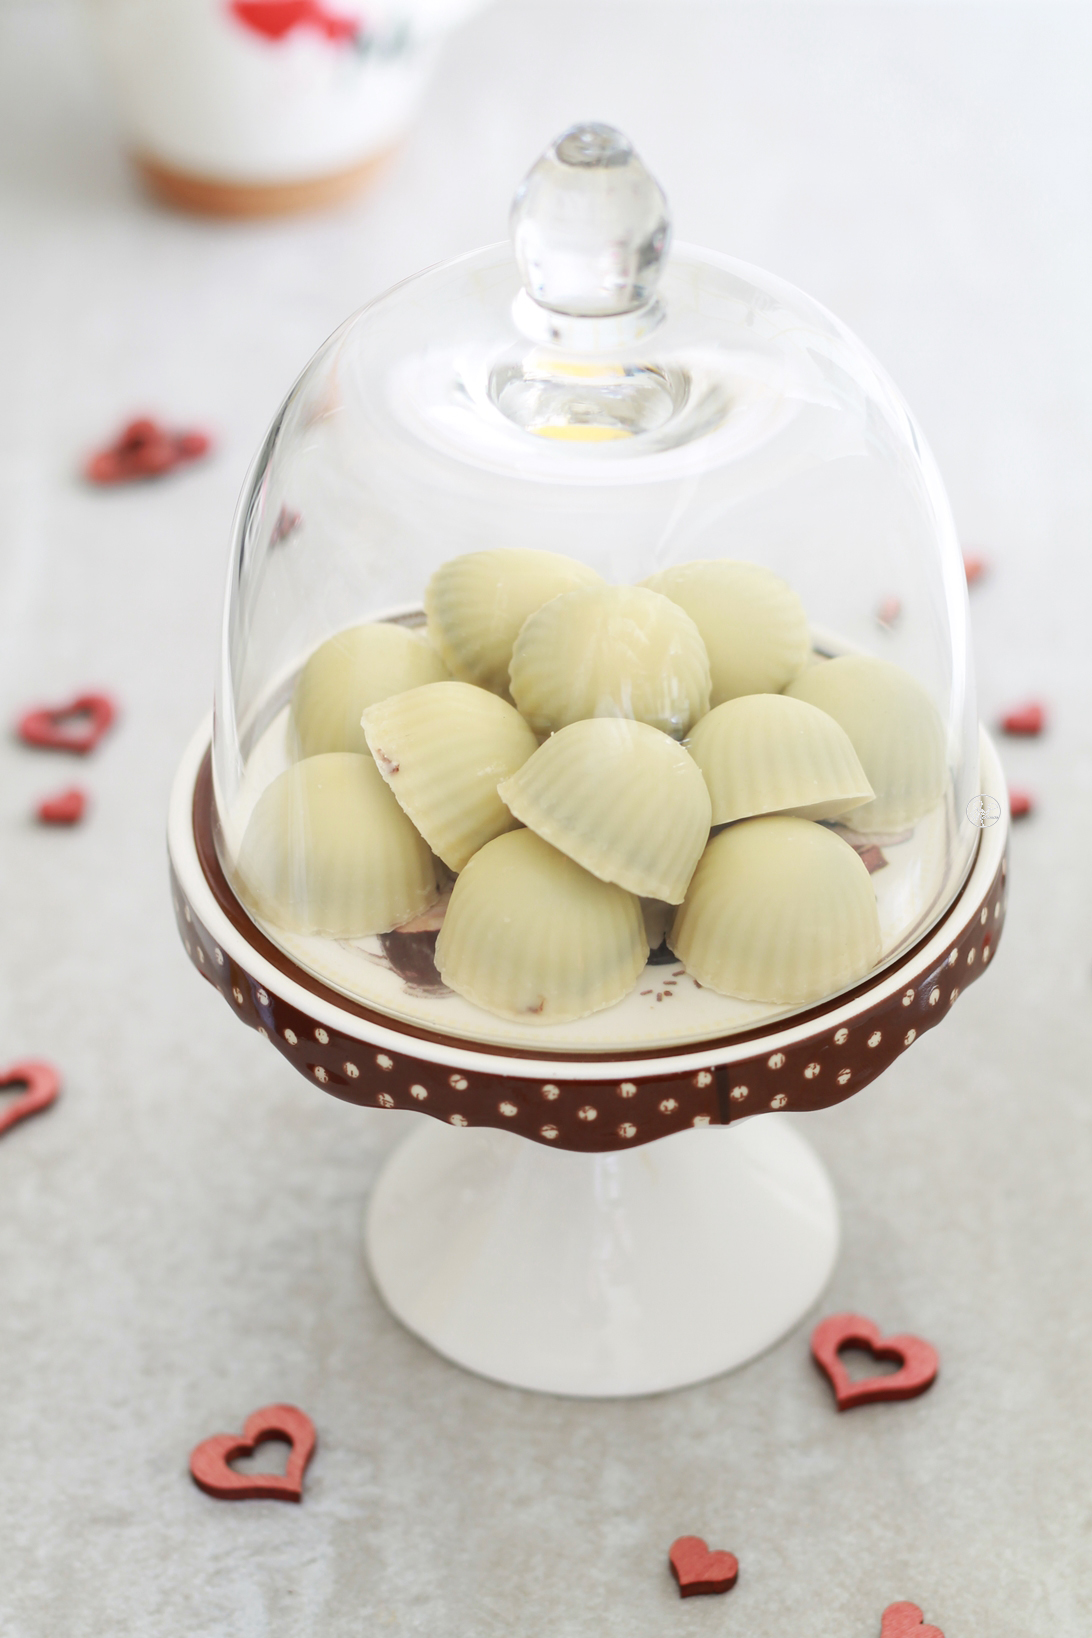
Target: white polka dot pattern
x,y
865,1046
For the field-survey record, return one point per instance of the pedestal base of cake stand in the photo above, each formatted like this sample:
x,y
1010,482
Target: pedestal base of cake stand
x,y
602,1275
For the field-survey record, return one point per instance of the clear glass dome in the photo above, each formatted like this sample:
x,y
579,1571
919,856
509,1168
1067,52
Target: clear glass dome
x,y
668,519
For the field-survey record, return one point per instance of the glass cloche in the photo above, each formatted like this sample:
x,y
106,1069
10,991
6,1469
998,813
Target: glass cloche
x,y
595,671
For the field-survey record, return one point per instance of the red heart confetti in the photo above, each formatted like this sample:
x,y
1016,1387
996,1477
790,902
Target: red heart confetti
x,y
144,449
974,567
918,1361
906,1621
285,523
42,1083
275,19
77,726
1029,719
66,808
210,1462
1021,804
698,1571
887,615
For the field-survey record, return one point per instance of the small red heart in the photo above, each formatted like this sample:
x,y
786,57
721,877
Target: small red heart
x,y
906,1621
1026,719
52,728
42,1084
66,808
887,615
697,1570
1021,803
974,567
209,1462
918,1360
144,449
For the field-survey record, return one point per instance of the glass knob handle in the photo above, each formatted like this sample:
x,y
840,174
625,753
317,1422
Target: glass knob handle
x,y
590,227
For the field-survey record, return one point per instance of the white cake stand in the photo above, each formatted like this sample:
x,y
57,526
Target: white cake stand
x,y
591,1260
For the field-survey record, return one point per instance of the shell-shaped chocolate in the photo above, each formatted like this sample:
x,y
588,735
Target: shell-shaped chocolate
x,y
752,622
443,749
895,729
767,753
350,671
530,935
328,850
610,651
622,799
779,910
477,603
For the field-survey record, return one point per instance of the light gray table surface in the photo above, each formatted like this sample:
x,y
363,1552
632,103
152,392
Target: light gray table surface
x,y
179,1236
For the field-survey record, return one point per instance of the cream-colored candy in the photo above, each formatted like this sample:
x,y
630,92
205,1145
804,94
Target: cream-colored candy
x,y
351,671
476,605
659,916
620,798
530,935
766,753
779,910
753,624
895,729
328,850
611,651
443,750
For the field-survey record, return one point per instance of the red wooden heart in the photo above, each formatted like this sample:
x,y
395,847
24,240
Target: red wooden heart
x,y
974,567
697,1570
209,1463
53,728
906,1621
42,1084
66,808
918,1361
1027,719
144,449
1021,804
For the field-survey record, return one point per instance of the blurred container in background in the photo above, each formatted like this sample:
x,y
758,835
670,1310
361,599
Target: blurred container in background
x,y
258,107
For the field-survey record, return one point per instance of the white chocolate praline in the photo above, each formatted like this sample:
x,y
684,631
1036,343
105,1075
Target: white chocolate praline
x,y
895,729
659,916
350,671
780,910
752,622
529,935
610,651
767,753
328,850
443,749
622,799
477,603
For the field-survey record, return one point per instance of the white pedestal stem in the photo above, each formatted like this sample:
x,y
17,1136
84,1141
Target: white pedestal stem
x,y
602,1275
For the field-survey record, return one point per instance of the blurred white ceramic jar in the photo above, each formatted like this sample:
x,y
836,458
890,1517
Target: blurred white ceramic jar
x,y
245,107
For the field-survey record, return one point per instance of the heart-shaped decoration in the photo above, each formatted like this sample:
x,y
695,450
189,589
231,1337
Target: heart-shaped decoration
x,y
906,1621
1029,719
210,1462
145,450
918,1361
66,808
42,1084
77,726
697,1570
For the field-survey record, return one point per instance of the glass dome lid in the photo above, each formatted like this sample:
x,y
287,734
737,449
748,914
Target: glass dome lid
x,y
595,673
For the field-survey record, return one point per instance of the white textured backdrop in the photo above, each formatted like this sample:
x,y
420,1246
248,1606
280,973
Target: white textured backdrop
x,y
179,1236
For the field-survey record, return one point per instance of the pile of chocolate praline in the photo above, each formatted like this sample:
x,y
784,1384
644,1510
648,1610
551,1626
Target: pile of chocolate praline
x,y
576,770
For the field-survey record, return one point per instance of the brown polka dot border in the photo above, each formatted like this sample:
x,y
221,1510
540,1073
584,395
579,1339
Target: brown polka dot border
x,y
822,1067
